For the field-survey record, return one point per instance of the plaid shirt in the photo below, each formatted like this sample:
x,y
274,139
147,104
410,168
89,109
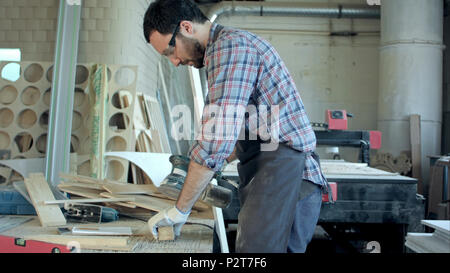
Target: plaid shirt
x,y
242,69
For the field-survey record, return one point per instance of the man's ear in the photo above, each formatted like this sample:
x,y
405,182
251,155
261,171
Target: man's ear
x,y
187,27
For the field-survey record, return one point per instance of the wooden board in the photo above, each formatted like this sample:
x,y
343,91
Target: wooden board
x,y
416,151
131,189
39,191
148,189
147,202
82,185
83,192
84,200
89,193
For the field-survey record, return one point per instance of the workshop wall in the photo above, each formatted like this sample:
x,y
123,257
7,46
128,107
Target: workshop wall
x,y
110,32
30,26
330,72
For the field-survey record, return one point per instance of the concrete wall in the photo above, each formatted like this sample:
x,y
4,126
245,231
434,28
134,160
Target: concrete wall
x,y
330,72
446,87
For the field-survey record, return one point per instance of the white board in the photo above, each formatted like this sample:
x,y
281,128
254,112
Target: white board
x,y
156,165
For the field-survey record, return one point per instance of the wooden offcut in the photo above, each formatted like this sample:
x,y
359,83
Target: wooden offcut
x,y
39,191
166,233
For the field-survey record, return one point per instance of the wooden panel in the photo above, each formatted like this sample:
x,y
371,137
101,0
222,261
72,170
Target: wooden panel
x,y
148,189
89,193
416,151
147,202
39,191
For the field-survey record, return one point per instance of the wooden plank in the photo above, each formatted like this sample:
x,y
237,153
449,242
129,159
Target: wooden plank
x,y
416,151
95,200
102,231
82,185
90,193
83,192
79,178
147,189
86,179
132,189
39,191
147,202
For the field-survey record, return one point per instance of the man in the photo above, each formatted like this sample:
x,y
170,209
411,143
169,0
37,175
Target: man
x,y
280,187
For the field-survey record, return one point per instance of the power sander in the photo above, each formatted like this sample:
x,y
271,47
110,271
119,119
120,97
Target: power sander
x,y
213,195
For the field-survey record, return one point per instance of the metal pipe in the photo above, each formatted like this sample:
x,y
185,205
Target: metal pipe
x,y
61,108
327,10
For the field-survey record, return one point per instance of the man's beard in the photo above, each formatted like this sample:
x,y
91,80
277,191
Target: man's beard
x,y
196,52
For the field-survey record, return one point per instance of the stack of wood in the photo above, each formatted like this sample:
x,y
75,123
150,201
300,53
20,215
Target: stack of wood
x,y
134,200
149,127
144,196
150,132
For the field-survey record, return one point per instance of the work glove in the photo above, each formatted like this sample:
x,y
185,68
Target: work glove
x,y
168,217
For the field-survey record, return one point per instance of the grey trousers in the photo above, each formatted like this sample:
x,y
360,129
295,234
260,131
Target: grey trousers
x,y
275,215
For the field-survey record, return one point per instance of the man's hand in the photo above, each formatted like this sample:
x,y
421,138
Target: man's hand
x,y
168,217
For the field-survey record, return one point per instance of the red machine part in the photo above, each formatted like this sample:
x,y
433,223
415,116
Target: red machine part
x,y
336,119
375,140
19,245
333,187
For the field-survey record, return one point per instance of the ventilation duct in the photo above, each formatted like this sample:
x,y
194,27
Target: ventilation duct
x,y
327,10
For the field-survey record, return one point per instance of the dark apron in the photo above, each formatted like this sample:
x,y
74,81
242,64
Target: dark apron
x,y
270,187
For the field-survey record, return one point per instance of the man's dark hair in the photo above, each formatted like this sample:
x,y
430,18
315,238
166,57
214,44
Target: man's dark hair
x,y
164,15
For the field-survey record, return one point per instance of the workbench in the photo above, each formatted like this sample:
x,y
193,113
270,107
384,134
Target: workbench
x,y
196,236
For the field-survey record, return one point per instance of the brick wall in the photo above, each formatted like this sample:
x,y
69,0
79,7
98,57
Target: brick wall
x,y
30,26
110,32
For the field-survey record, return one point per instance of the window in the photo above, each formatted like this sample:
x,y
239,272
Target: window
x,y
11,71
